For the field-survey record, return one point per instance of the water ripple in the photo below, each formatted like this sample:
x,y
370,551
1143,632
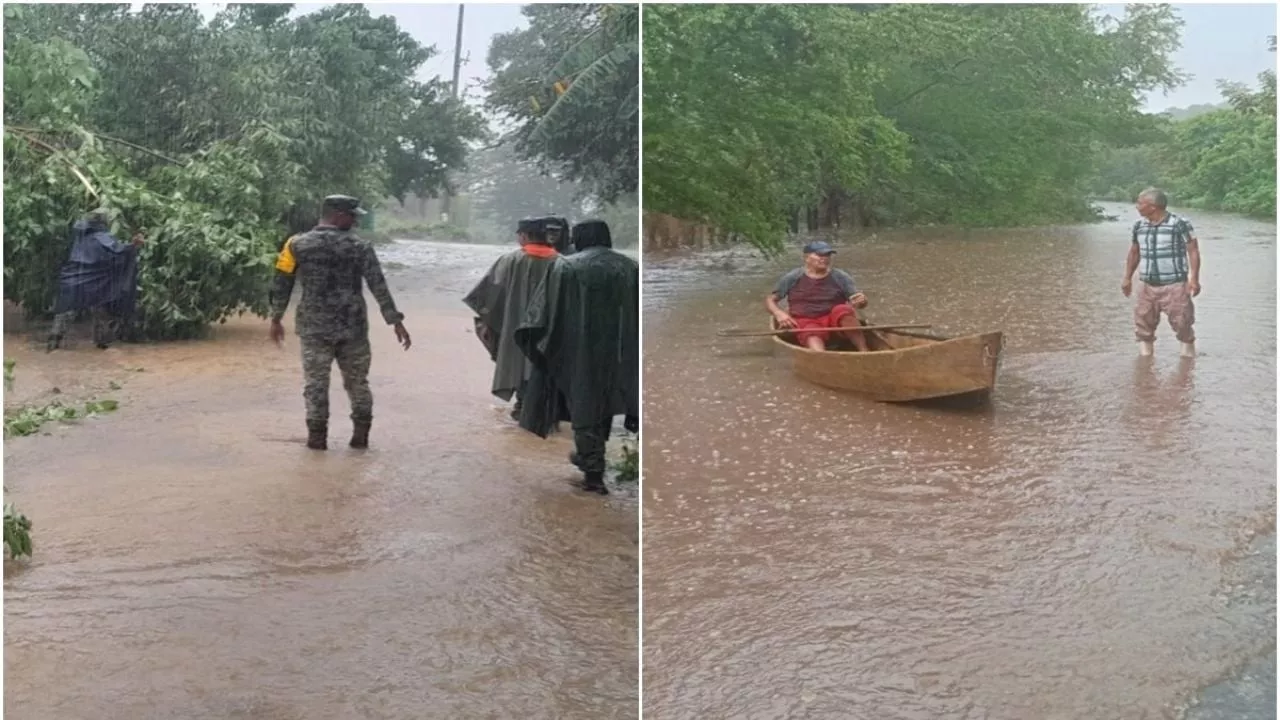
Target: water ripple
x,y
1059,555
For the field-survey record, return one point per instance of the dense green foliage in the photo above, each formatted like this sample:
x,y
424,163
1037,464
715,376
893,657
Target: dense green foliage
x,y
569,84
878,114
1223,159
213,139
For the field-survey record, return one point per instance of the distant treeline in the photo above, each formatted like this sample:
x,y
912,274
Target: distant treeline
x,y
760,117
1218,159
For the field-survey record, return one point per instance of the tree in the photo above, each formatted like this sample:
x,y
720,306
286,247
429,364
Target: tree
x,y
1220,159
432,140
959,114
751,111
1226,160
569,85
214,138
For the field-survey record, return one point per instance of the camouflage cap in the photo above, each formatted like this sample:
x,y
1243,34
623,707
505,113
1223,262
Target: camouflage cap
x,y
343,203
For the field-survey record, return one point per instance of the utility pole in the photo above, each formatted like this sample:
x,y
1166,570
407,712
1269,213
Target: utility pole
x,y
457,51
457,70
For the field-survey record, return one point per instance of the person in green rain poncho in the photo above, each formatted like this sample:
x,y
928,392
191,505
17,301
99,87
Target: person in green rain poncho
x,y
500,301
582,336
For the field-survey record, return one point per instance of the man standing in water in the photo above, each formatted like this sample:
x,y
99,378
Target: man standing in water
x,y
818,296
500,301
582,334
1166,247
332,319
101,274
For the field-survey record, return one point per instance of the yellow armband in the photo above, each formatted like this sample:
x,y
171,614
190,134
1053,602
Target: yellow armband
x,y
286,263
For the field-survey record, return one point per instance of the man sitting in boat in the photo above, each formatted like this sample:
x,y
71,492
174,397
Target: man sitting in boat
x,y
818,297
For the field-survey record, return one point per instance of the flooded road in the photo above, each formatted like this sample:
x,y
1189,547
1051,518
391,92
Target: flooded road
x,y
1097,544
194,560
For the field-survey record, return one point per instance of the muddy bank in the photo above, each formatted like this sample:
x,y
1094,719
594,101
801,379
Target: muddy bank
x,y
194,560
1083,548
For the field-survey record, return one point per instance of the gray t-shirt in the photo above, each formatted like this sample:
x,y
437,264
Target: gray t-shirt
x,y
814,297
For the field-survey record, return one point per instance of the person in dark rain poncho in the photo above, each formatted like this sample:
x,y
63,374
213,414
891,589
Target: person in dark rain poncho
x,y
500,301
100,274
582,335
558,235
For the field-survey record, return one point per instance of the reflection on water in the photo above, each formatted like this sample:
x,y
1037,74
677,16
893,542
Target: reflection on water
x,y
1063,554
193,560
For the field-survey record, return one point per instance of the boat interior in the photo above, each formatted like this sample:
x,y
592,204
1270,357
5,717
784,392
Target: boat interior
x,y
877,341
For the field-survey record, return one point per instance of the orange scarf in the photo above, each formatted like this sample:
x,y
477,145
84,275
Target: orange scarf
x,y
539,251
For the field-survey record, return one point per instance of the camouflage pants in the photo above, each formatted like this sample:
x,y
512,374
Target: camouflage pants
x,y
589,442
353,357
104,325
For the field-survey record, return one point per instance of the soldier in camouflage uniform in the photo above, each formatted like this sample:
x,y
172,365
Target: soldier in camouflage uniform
x,y
332,320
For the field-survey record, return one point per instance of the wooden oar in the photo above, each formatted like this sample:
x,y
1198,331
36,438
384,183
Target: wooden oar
x,y
737,332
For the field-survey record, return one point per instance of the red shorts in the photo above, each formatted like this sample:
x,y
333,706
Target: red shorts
x,y
831,319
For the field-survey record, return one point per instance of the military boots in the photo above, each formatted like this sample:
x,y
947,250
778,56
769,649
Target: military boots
x,y
360,436
318,435
591,481
594,482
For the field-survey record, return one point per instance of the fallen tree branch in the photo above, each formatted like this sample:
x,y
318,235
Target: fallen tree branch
x,y
61,156
108,138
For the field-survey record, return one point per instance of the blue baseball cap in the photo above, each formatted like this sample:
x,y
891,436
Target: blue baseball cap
x,y
819,247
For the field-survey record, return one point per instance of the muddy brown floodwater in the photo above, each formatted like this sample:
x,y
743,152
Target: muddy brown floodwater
x,y
1099,544
193,560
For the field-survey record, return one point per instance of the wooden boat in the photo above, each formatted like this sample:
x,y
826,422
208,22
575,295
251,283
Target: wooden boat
x,y
905,366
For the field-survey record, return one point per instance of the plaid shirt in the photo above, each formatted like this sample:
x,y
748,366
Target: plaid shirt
x,y
1162,248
